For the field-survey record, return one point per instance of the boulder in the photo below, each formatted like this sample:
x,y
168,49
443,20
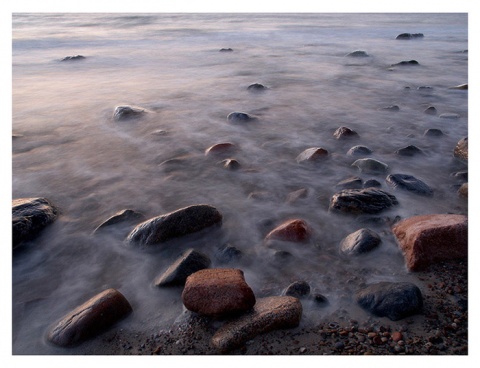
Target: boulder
x,y
29,217
409,183
175,224
271,313
122,218
362,201
350,183
90,319
461,149
295,230
370,166
122,113
220,149
314,154
297,289
239,117
344,133
431,110
189,262
358,53
394,300
359,242
359,151
218,292
409,151
428,239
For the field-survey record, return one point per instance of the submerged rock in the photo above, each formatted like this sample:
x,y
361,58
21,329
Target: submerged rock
x,y
220,149
268,314
296,230
226,49
372,183
359,151
350,183
358,53
239,117
297,289
371,166
409,183
395,300
314,154
449,115
460,86
362,201
409,36
359,242
73,58
393,108
122,113
231,164
461,149
433,132
256,87
29,217
406,63
228,253
345,132
431,110
175,224
90,319
122,218
409,151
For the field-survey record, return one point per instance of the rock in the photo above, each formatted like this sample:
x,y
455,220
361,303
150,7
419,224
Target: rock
x,y
314,154
409,151
123,218
361,201
359,242
430,110
372,183
297,195
423,88
406,63
123,113
344,132
73,58
461,175
189,262
296,230
463,190
395,300
449,115
256,87
220,149
218,292
226,49
350,183
90,319
178,223
297,289
358,53
393,108
228,253
320,299
371,166
231,164
359,151
428,239
409,36
460,86
29,217
410,183
239,117
461,149
271,313
433,133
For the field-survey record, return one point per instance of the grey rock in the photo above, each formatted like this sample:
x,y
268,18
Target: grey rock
x,y
393,108
122,218
228,253
409,151
314,154
320,299
431,110
231,164
358,53
73,58
370,166
122,113
256,87
460,86
350,183
372,183
409,36
362,201
406,63
359,242
433,132
409,183
297,289
226,49
449,115
344,133
359,151
239,117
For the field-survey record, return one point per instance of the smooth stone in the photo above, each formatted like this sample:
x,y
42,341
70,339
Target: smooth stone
x,y
406,63
122,218
431,110
372,183
239,117
409,36
359,151
429,239
433,132
175,224
122,113
231,164
256,87
313,154
90,319
350,183
394,300
297,289
227,49
29,217
220,149
370,166
345,132
463,190
409,151
362,201
409,183
359,242
268,314
295,230
73,58
296,195
461,149
449,115
460,86
358,53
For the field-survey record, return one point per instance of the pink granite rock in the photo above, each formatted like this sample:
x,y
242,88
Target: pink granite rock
x,y
295,230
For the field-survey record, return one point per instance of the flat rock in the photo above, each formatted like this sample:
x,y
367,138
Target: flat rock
x,y
359,242
428,239
296,230
371,166
175,224
122,218
314,154
90,319
218,292
394,300
362,201
29,217
189,262
344,133
409,36
74,58
359,151
271,313
409,183
461,149
122,113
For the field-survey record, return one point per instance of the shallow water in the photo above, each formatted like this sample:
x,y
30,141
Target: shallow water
x,y
70,150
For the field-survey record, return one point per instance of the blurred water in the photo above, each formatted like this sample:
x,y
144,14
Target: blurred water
x,y
72,152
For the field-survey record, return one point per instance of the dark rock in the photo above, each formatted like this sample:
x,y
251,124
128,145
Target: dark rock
x,y
372,183
228,253
320,299
189,262
409,36
239,117
73,58
432,132
296,230
123,218
429,239
359,151
461,86
282,256
122,113
226,49
409,151
29,217
344,132
461,175
231,164
268,314
314,154
218,292
370,166
423,88
359,242
431,110
405,63
178,223
221,149
393,108
358,53
395,300
90,319
350,183
461,149
410,183
256,87
298,289
463,190
362,201
449,115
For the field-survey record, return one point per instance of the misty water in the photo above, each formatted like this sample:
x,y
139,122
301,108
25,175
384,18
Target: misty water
x,y
68,148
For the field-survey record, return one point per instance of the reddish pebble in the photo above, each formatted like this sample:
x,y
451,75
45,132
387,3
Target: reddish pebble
x,y
397,336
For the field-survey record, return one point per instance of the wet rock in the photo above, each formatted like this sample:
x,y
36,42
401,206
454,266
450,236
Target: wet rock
x,y
90,319
231,164
122,218
218,292
409,151
239,117
463,190
320,299
449,115
122,113
429,239
409,36
271,313
297,195
350,183
371,166
372,183
362,201
226,49
461,175
29,217
359,151
189,262
178,223
359,242
282,256
256,87
461,149
460,86
314,154
410,183
344,132
358,53
423,88
74,58
297,289
395,300
431,110
393,108
220,149
295,230
228,253
406,63
433,133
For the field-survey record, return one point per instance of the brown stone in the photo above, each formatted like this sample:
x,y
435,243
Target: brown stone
x,y
463,190
218,292
295,230
397,336
461,149
428,239
271,313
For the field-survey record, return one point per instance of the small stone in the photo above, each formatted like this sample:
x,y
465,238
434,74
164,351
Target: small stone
x,y
432,132
226,49
393,108
239,117
320,299
406,63
295,230
409,151
231,164
397,336
73,58
449,116
314,154
360,201
463,190
344,132
430,110
409,183
358,53
122,113
359,151
256,87
372,183
220,148
359,242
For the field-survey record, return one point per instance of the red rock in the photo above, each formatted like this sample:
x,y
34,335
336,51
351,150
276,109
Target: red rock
x,y
217,292
428,239
397,336
220,148
295,230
